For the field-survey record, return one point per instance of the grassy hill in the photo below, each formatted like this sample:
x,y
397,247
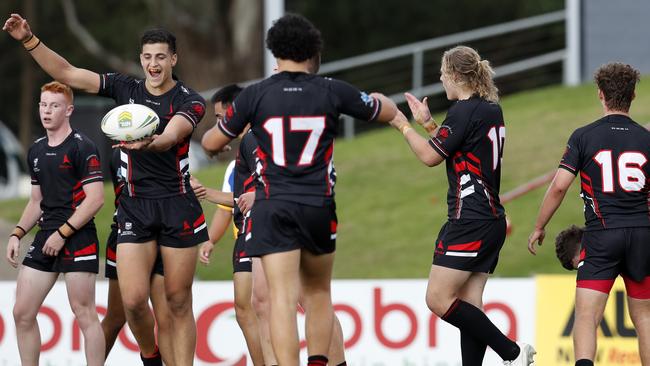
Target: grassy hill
x,y
391,207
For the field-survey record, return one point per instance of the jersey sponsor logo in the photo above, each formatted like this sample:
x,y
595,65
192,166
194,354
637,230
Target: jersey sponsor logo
x,y
78,136
184,89
125,119
443,133
66,164
187,229
128,226
198,108
367,99
36,168
292,90
131,101
152,102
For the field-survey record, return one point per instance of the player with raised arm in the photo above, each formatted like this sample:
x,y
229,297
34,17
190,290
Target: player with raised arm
x,y
611,156
470,141
67,163
158,207
115,318
294,115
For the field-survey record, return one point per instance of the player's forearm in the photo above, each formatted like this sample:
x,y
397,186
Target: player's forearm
x,y
163,142
550,204
219,197
213,141
31,214
219,225
388,108
87,210
421,148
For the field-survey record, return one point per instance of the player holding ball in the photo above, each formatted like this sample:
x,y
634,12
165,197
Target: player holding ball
x,y
158,207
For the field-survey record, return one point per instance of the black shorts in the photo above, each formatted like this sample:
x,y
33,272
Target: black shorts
x,y
280,226
176,221
110,268
241,262
608,253
471,246
79,254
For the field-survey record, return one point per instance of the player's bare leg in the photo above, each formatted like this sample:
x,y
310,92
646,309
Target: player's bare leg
x,y
336,352
246,318
163,319
590,305
81,295
282,272
316,277
444,288
180,265
115,318
472,350
134,264
640,314
31,288
262,306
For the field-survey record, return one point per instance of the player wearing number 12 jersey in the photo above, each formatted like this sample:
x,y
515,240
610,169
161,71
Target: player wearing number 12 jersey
x,y
611,157
294,115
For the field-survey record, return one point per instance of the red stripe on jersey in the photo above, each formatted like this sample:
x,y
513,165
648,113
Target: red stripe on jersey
x,y
77,186
200,221
328,160
466,247
262,156
474,158
589,189
91,249
333,226
583,254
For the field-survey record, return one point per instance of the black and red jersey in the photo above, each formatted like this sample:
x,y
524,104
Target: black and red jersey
x,y
295,117
611,155
61,172
471,139
244,177
156,174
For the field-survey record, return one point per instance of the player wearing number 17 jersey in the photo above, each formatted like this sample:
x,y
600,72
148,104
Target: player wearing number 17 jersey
x,y
294,115
611,157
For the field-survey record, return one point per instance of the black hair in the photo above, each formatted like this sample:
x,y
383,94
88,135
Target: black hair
x,y
294,38
227,94
159,35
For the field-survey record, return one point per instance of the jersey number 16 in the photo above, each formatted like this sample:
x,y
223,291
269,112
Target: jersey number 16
x,y
630,176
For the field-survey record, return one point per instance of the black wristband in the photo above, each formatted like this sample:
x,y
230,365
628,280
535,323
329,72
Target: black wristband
x,y
60,233
29,39
70,226
14,234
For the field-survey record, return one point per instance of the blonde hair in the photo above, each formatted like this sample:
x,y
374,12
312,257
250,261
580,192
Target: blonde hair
x,y
467,69
58,88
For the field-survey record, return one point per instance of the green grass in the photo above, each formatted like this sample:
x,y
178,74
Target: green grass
x,y
391,207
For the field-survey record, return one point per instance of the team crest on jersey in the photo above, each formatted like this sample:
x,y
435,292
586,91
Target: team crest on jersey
x,y
125,119
78,137
367,99
198,108
230,111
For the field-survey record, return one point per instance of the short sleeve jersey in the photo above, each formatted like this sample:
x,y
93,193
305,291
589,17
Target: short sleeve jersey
x,y
295,118
611,156
61,171
156,174
471,139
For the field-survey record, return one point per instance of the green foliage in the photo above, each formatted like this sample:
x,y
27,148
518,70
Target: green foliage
x,y
390,206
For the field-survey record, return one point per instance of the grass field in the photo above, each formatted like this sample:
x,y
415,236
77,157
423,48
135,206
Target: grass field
x,y
390,206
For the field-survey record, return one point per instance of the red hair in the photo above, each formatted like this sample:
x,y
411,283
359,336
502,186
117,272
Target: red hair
x,y
59,88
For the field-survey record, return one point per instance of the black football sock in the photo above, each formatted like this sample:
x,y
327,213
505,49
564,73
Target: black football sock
x,y
472,350
152,360
317,360
469,319
584,362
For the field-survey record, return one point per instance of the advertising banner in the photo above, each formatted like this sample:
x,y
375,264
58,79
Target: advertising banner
x,y
385,322
617,342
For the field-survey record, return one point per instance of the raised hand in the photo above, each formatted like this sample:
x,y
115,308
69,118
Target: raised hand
x,y
17,27
419,109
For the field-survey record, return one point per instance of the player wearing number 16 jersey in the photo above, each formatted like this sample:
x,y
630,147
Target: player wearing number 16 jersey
x,y
294,115
611,157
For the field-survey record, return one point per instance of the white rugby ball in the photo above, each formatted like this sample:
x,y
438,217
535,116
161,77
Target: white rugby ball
x,y
130,122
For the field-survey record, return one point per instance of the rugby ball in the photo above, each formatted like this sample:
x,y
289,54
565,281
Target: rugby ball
x,y
130,122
